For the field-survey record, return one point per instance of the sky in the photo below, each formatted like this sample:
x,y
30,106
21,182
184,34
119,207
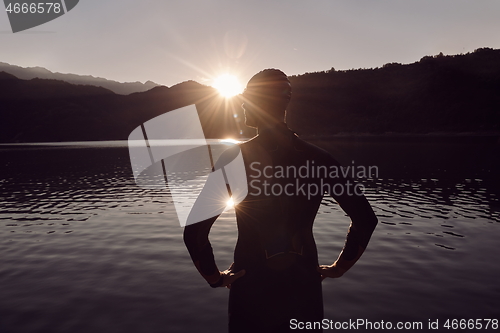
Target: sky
x,y
169,42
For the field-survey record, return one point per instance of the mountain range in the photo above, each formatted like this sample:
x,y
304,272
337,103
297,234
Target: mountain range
x,y
41,110
438,94
28,73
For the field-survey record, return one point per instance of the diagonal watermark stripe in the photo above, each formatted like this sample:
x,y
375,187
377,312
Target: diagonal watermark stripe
x,y
25,15
171,152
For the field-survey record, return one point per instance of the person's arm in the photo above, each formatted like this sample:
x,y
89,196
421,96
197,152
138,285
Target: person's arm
x,y
200,250
363,223
196,234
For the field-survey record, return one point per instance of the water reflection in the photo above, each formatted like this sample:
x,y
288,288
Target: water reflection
x,y
74,224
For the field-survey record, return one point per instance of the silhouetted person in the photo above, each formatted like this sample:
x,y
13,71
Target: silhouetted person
x,y
275,276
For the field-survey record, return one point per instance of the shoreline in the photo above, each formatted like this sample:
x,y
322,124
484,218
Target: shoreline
x,y
438,137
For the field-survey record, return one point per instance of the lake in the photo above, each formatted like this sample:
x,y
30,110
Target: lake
x,y
84,249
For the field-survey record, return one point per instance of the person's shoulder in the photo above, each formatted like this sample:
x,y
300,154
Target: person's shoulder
x,y
247,143
250,146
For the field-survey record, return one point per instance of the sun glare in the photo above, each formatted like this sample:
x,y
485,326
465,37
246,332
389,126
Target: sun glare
x,y
230,203
229,140
228,85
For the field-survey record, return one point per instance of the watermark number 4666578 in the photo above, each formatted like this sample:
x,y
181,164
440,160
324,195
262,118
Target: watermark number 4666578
x,y
33,8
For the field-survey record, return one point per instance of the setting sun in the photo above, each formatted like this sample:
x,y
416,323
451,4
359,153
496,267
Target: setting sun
x,y
228,85
230,203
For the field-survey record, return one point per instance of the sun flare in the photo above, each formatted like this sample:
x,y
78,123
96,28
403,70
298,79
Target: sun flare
x,y
230,140
230,203
228,85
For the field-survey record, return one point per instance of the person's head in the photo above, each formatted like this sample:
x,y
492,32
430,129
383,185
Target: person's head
x,y
266,98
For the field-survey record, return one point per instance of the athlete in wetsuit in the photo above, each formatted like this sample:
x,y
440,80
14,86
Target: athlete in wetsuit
x,y
275,276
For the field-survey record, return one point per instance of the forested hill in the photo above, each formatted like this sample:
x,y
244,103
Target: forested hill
x,y
458,93
40,110
440,94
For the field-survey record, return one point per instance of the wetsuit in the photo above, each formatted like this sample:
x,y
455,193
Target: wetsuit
x,y
275,238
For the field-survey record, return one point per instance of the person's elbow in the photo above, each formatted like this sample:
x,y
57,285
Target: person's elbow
x,y
373,220
189,237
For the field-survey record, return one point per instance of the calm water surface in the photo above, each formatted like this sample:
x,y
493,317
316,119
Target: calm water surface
x,y
83,249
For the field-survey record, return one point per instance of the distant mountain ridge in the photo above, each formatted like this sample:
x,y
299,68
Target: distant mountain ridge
x,y
122,88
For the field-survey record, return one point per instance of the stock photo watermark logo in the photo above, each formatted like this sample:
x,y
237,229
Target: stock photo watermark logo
x,y
170,152
308,179
25,15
